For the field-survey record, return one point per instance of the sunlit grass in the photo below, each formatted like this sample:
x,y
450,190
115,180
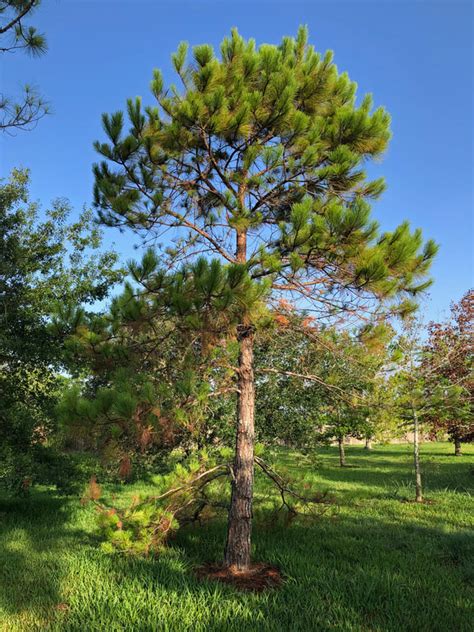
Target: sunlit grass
x,y
373,563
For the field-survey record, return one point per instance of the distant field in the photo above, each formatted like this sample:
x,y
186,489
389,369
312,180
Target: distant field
x,y
374,563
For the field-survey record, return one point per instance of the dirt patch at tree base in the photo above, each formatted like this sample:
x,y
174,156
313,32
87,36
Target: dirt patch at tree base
x,y
257,578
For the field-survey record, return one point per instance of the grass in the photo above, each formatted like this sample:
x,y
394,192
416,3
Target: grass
x,y
376,563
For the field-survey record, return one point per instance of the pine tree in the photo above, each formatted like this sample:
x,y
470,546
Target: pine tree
x,y
257,160
16,35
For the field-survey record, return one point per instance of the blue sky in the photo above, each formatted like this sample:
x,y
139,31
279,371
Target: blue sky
x,y
415,57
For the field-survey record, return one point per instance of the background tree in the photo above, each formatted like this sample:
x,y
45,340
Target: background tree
x,y
448,357
25,112
43,264
287,405
350,365
258,160
382,424
418,394
409,402
321,382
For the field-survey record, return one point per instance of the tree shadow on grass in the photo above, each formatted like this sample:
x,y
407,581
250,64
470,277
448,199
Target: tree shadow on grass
x,y
53,576
347,573
350,574
340,574
33,537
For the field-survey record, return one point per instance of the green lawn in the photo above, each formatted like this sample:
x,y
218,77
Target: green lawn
x,y
373,563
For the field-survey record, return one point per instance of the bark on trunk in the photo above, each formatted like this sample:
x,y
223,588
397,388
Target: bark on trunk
x,y
239,527
368,444
416,455
342,452
457,447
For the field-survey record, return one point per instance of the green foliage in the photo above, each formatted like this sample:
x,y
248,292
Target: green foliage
x,y
262,138
337,396
160,360
42,264
12,13
144,527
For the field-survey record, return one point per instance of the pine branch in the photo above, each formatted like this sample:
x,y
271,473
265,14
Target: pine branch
x,y
18,17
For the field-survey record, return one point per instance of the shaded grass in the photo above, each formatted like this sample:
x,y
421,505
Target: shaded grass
x,y
374,564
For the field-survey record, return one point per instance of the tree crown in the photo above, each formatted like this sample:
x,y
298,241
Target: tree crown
x,y
259,158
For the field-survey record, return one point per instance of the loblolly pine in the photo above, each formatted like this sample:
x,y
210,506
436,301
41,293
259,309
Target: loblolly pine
x,y
257,159
15,35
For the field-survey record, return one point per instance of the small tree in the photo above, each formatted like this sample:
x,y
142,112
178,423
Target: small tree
x,y
418,394
258,160
349,367
408,386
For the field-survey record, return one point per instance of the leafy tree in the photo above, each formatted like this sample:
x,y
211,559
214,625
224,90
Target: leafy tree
x,y
287,406
350,365
43,264
15,35
381,424
448,359
420,396
257,160
408,388
321,383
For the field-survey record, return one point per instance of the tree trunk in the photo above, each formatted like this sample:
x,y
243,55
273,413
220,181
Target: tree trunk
x,y
457,447
342,453
368,443
416,455
239,526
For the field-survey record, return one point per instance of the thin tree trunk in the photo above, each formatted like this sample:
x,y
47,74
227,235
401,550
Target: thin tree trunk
x,y
368,443
457,447
416,455
342,453
239,526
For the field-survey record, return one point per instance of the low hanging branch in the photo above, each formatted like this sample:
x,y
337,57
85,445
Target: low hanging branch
x,y
144,527
323,498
